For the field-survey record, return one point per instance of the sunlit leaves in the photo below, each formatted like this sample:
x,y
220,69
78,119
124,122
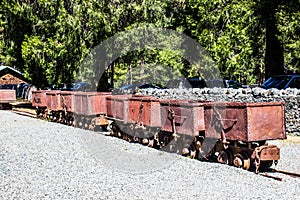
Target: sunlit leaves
x,y
289,28
49,39
225,29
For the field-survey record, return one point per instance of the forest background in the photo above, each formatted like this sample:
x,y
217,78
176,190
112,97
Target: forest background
x,y
249,40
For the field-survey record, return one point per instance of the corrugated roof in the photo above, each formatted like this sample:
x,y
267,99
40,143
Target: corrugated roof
x,y
4,67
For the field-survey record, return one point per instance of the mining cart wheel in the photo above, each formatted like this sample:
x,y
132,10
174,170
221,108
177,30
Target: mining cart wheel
x,y
238,160
222,157
242,160
225,157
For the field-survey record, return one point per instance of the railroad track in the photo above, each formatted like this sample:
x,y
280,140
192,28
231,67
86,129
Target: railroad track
x,y
25,112
23,108
268,174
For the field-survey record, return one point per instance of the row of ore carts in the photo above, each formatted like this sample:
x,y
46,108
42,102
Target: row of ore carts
x,y
232,133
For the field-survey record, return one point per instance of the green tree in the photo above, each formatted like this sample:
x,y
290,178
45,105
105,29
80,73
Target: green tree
x,y
274,57
289,34
143,65
49,40
227,30
15,24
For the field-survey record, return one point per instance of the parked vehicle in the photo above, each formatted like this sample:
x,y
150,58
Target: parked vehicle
x,y
78,86
223,83
133,88
282,82
197,82
63,86
9,86
181,83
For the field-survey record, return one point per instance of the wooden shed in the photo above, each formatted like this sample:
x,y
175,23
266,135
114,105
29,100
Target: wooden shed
x,y
9,75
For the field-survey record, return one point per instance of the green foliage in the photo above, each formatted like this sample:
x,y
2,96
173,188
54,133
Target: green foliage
x,y
150,54
2,42
226,30
34,54
48,40
148,66
289,28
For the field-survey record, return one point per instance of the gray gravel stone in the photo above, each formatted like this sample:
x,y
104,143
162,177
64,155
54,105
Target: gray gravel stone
x,y
43,160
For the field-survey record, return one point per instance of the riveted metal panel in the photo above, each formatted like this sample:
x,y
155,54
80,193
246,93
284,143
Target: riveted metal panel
x,y
90,103
109,106
7,96
117,107
77,103
266,121
144,110
188,116
53,100
246,122
39,98
155,117
232,116
98,102
67,99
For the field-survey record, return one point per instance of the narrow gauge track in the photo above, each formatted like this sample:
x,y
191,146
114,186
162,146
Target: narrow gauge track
x,y
24,108
268,173
26,113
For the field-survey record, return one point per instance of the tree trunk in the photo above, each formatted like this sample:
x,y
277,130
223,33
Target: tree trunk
x,y
274,60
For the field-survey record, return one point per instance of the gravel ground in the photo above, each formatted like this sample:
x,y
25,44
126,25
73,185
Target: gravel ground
x,y
43,160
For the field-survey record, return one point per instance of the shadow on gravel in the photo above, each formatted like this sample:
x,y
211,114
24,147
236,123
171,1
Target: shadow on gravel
x,y
124,157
